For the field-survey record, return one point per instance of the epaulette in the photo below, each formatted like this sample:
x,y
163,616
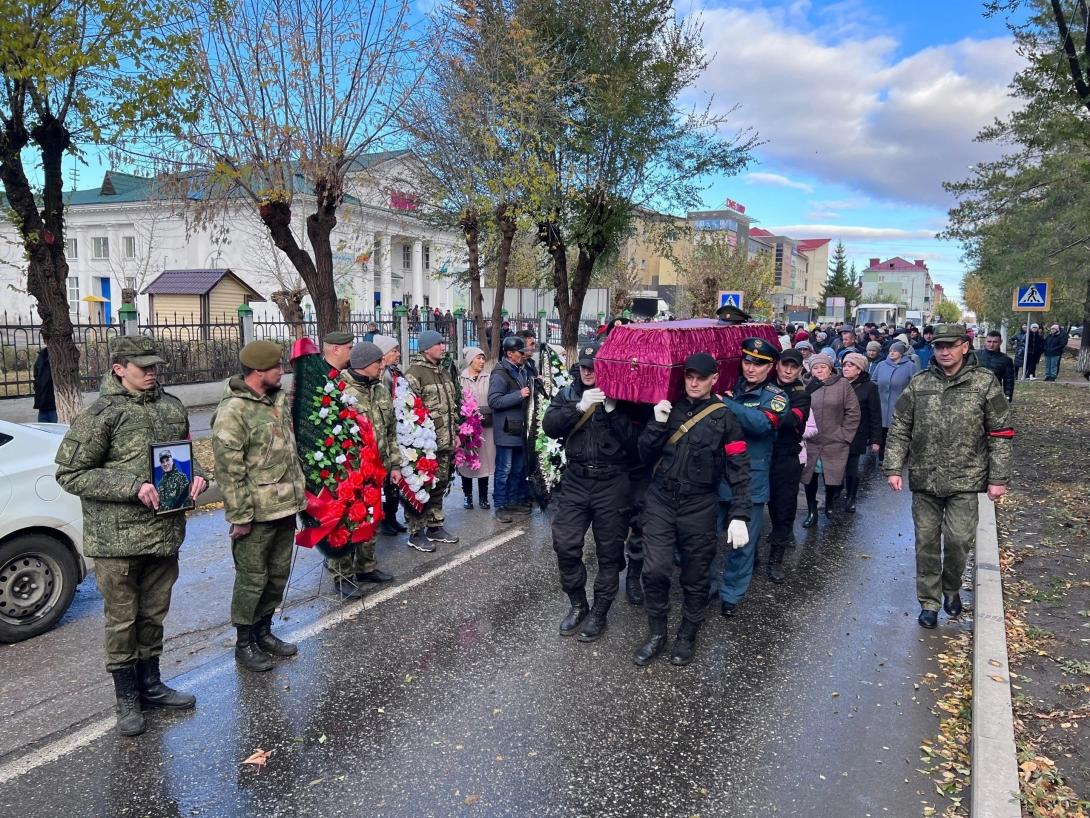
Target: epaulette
x,y
776,390
103,403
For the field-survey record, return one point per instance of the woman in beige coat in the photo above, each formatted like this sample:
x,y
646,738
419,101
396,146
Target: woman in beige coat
x,y
836,411
475,380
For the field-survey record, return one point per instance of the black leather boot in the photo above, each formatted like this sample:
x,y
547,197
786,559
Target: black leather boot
x,y
633,582
247,654
578,612
268,642
389,525
156,694
684,643
775,562
831,493
467,492
656,640
130,721
595,624
482,489
811,505
851,486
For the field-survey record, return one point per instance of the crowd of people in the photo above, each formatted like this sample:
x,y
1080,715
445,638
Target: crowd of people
x,y
657,486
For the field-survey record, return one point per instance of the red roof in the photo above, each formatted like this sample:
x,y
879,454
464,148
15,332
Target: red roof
x,y
757,231
896,263
811,244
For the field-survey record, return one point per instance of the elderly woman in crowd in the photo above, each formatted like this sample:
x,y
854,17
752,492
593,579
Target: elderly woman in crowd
x,y
836,412
869,433
891,376
475,381
874,355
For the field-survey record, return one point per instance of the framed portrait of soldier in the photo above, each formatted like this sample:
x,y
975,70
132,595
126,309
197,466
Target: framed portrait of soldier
x,y
172,475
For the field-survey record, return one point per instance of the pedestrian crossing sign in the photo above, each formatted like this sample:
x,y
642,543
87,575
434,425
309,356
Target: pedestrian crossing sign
x,y
731,298
1036,296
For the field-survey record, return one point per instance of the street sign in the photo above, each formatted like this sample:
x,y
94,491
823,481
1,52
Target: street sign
x,y
731,298
1036,296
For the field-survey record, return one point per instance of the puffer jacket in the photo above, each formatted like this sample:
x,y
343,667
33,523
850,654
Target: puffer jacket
x,y
373,399
508,405
952,431
440,397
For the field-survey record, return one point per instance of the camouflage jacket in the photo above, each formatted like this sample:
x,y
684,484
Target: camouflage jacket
x,y
257,466
105,458
953,432
173,490
440,397
374,401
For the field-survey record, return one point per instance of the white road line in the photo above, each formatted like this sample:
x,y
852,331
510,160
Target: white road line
x,y
96,730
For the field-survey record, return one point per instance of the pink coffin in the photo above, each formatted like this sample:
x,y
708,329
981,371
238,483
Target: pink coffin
x,y
645,362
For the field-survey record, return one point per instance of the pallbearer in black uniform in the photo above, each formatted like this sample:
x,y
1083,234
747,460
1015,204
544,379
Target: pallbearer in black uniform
x,y
600,446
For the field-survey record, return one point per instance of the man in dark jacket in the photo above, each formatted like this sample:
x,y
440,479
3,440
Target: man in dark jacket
x,y
44,399
992,357
508,392
691,446
599,444
1035,347
1054,345
785,469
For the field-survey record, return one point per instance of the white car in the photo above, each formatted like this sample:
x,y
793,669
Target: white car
x,y
41,532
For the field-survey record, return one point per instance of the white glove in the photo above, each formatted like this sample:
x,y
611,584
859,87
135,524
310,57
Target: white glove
x,y
662,411
610,404
591,397
737,533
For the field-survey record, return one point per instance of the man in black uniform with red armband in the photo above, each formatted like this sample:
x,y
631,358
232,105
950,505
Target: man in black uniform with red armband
x,y
691,446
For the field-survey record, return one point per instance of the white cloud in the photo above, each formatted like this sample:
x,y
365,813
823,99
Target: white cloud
x,y
777,180
844,231
846,108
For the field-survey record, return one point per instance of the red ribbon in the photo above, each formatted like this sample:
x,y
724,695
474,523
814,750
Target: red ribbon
x,y
323,508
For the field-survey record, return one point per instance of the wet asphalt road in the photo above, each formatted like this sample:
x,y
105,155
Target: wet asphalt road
x,y
451,694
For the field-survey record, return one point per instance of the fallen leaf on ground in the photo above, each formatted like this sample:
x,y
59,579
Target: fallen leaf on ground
x,y
258,757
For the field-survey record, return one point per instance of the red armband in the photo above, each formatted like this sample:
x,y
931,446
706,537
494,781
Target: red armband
x,y
799,414
735,447
1007,433
773,418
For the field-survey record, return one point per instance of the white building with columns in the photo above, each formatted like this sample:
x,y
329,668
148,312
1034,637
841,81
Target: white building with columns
x,y
124,232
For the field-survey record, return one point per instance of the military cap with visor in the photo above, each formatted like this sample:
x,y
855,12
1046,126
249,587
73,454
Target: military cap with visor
x,y
760,351
702,364
338,337
588,351
136,349
949,332
260,355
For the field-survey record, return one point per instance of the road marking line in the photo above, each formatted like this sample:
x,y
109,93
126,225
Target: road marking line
x,y
97,729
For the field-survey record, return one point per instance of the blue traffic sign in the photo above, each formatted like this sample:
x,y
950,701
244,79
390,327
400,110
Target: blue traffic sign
x,y
731,298
1036,296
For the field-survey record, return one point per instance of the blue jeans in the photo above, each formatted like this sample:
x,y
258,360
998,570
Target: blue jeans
x,y
1052,366
45,416
510,476
738,570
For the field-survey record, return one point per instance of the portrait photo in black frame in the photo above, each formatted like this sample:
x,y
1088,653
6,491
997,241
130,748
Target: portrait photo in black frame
x,y
172,475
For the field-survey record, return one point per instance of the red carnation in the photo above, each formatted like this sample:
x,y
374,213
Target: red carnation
x,y
333,373
343,414
341,385
355,480
357,512
338,538
324,474
326,400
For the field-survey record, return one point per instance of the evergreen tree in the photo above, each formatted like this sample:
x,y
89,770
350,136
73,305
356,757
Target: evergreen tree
x,y
840,282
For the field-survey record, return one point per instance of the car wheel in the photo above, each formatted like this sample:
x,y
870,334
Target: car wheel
x,y
38,577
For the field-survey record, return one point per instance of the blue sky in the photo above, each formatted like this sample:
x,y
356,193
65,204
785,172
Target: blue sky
x,y
866,108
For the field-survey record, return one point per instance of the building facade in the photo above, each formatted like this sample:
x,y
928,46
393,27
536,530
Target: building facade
x,y
897,281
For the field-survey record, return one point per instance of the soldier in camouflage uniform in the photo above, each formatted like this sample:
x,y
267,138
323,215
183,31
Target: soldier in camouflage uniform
x,y
372,399
103,460
258,471
173,486
440,398
951,426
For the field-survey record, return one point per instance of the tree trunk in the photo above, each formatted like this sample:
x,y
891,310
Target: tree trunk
x,y
471,229
1083,361
550,237
42,234
507,228
290,303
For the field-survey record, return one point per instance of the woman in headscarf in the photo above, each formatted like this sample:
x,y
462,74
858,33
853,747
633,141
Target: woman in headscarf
x,y
836,412
891,376
874,355
869,433
475,381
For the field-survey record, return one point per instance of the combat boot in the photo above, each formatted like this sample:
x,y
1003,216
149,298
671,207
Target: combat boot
x,y
269,642
656,640
156,694
684,644
247,654
578,612
595,624
849,497
775,562
130,721
633,584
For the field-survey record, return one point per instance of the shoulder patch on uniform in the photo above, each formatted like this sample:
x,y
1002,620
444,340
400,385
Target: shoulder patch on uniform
x,y
66,453
778,403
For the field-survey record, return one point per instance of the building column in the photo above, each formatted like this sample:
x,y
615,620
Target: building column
x,y
364,279
418,272
386,275
436,282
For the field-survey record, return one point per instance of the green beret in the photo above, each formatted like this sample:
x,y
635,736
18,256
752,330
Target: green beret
x,y
338,337
950,332
261,354
136,349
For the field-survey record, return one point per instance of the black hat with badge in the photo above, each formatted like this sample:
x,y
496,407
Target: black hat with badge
x,y
588,350
760,351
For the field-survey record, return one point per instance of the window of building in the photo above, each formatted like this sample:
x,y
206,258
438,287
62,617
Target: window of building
x,y
427,256
73,292
100,247
71,248
406,256
128,246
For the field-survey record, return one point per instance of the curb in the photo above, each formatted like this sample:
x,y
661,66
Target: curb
x,y
994,755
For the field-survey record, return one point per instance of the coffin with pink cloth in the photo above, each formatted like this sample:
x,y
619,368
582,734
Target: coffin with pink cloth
x,y
645,362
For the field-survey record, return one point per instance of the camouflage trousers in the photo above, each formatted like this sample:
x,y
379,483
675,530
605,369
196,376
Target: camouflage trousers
x,y
945,532
136,596
360,560
262,565
432,514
